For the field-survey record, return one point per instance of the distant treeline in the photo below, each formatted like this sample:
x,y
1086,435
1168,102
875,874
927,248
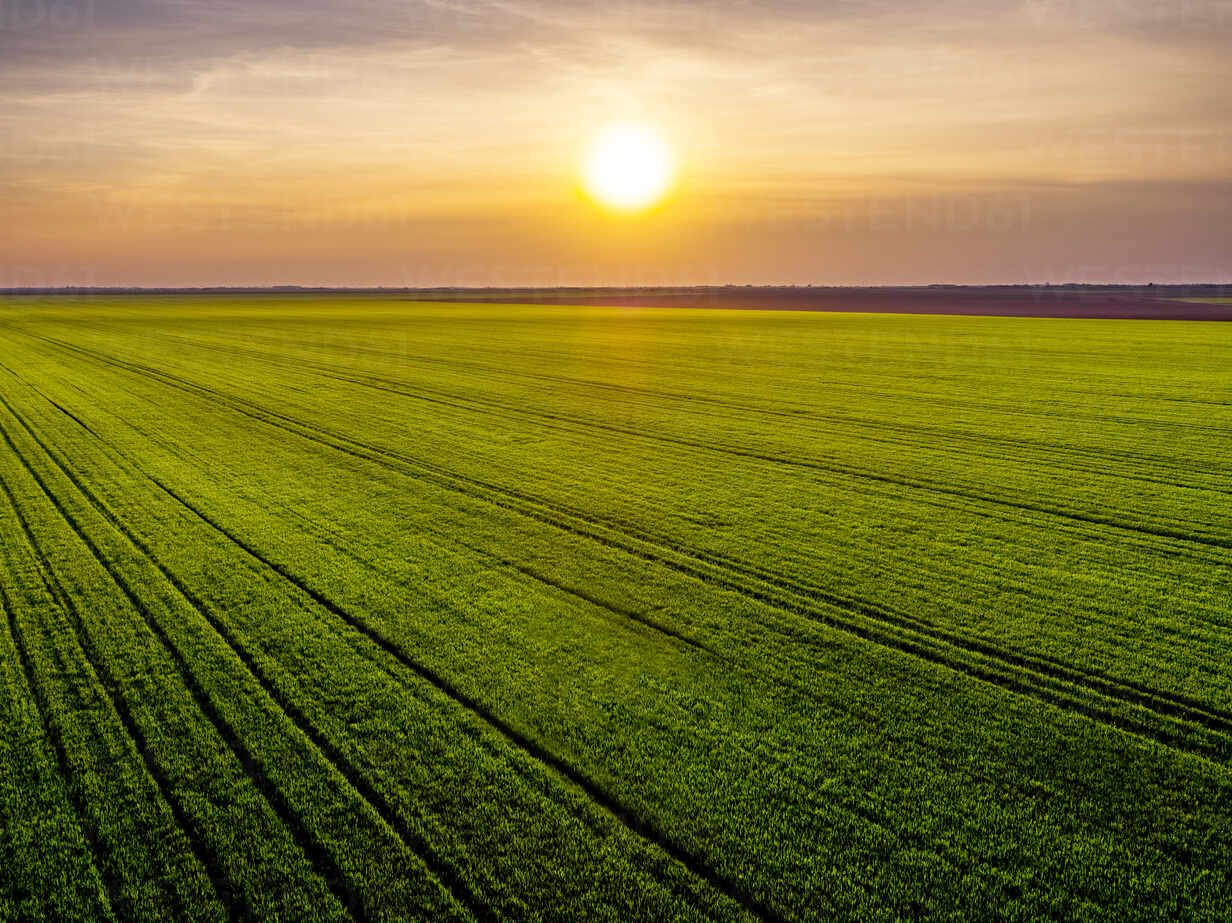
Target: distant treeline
x,y
1189,290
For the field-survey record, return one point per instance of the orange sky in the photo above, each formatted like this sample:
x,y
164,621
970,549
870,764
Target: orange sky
x,y
438,143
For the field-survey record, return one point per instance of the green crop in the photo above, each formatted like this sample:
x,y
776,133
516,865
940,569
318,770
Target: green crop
x,y
321,608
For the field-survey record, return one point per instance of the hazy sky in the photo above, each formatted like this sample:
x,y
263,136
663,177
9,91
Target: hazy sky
x,y
437,142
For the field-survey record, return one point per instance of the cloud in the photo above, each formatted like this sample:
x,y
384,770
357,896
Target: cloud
x,y
446,120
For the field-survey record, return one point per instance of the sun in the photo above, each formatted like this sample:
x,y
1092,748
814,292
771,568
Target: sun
x,y
628,168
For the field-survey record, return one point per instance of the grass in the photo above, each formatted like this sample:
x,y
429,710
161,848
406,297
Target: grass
x,y
325,608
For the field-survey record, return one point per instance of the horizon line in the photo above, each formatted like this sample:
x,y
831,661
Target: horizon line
x,y
684,288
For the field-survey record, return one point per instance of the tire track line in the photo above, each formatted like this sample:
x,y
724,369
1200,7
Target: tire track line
x,y
322,863
354,623
1154,700
951,440
353,777
885,433
891,637
787,412
646,829
561,587
202,852
830,467
568,423
393,820
1146,697
117,906
1146,541
855,810
1155,532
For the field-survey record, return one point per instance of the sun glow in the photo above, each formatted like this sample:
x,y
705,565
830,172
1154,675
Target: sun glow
x,y
628,168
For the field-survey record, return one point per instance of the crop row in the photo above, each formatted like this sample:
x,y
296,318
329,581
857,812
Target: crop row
x,y
1045,678
1162,553
550,702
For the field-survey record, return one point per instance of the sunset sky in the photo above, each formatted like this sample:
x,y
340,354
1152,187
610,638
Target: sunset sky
x,y
404,142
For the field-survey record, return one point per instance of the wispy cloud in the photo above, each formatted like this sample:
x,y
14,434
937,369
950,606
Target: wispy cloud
x,y
445,122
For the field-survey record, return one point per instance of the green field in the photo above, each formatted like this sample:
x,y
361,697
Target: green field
x,y
324,608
